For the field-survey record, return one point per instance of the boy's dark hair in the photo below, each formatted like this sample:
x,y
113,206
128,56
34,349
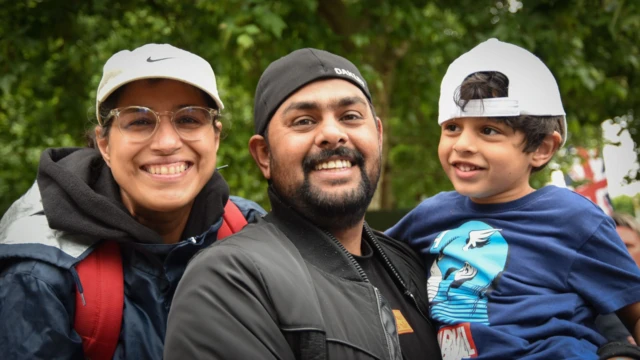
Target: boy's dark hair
x,y
493,84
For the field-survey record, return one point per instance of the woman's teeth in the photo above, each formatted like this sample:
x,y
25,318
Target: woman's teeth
x,y
167,170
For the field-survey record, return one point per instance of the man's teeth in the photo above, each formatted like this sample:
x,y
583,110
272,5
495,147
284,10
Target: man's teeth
x,y
334,164
467,167
167,170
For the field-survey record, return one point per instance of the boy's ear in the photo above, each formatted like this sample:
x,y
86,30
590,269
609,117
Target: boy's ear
x,y
546,150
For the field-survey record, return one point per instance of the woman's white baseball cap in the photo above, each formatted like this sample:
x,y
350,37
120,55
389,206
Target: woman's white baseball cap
x,y
532,88
156,61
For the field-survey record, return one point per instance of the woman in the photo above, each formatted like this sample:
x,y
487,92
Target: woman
x,y
151,187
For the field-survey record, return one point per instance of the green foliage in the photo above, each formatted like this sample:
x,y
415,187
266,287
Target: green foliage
x,y
52,53
624,204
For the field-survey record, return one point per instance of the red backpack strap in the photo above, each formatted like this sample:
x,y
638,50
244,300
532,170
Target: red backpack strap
x,y
232,220
99,308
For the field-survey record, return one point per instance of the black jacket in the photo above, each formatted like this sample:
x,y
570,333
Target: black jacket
x,y
284,289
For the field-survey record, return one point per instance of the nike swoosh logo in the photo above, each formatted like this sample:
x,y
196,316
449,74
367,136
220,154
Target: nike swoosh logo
x,y
149,59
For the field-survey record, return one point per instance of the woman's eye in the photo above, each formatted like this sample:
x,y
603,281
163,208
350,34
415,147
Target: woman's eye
x,y
138,122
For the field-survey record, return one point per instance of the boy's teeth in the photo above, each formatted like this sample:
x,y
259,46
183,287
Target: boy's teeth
x,y
467,168
334,164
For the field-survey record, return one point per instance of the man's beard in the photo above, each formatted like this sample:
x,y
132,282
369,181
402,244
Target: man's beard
x,y
328,211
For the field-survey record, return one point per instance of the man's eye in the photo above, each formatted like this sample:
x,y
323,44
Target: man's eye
x,y
302,122
451,127
351,116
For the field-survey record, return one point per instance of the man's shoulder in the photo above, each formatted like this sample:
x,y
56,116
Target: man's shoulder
x,y
250,209
257,242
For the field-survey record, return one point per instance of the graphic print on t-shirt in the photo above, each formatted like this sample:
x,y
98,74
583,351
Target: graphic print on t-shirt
x,y
468,264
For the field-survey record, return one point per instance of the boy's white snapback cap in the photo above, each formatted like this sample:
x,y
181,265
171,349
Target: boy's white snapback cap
x,y
532,88
159,61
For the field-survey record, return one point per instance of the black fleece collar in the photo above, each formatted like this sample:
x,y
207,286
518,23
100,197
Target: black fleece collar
x,y
80,195
314,244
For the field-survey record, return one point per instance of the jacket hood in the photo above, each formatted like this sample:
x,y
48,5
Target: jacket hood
x,y
80,195
76,202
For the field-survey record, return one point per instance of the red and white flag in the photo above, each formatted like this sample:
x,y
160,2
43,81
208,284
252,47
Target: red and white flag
x,y
589,167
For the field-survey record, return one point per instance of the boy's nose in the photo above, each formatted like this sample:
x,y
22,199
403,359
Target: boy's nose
x,y
466,142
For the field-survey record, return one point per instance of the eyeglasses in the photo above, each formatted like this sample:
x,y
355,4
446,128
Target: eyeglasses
x,y
139,123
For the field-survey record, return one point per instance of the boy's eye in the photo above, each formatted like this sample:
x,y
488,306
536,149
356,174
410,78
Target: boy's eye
x,y
451,127
489,131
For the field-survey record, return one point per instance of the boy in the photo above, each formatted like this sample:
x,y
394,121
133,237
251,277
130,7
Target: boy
x,y
514,272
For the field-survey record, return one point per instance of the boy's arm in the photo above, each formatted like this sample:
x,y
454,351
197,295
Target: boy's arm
x,y
630,317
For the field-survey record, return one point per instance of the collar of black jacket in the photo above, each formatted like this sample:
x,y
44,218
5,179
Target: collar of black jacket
x,y
316,245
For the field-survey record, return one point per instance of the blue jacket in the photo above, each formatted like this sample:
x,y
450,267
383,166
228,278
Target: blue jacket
x,y
50,229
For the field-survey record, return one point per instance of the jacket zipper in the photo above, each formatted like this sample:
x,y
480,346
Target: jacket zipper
x,y
394,271
353,261
386,336
366,279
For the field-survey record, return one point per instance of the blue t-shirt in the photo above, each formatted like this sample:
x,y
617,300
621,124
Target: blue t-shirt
x,y
523,279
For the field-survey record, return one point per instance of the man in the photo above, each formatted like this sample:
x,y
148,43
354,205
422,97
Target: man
x,y
310,280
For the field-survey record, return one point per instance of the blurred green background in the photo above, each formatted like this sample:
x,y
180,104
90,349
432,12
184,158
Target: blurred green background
x,y
52,53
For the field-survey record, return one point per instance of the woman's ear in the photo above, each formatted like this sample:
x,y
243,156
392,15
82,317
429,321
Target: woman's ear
x,y
103,145
261,154
546,150
217,133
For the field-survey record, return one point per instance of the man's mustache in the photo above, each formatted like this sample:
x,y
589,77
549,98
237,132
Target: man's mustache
x,y
354,156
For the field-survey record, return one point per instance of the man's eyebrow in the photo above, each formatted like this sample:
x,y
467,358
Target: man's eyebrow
x,y
301,105
335,104
348,101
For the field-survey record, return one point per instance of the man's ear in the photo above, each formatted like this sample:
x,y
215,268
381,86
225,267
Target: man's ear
x,y
546,150
261,154
103,145
380,130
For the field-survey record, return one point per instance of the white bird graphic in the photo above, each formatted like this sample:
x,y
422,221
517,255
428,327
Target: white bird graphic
x,y
478,238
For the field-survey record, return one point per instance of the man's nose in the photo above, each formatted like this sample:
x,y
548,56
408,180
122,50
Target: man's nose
x,y
331,133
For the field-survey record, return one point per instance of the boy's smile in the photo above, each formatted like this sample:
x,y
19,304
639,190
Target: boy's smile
x,y
466,170
484,159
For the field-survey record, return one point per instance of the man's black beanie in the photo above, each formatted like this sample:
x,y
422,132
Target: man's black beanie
x,y
286,75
